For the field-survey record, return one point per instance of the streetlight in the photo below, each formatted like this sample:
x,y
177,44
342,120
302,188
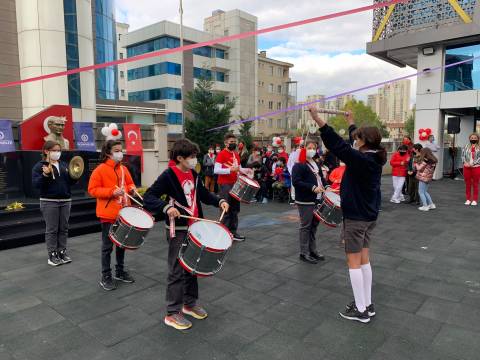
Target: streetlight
x,y
182,68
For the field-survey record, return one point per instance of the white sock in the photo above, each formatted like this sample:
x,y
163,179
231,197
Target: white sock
x,y
367,283
356,278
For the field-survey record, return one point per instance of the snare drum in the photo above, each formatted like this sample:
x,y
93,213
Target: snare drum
x,y
244,189
203,254
131,227
328,210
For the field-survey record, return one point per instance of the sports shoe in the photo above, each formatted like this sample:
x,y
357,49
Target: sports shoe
x,y
53,259
317,256
264,201
238,237
395,201
468,202
370,308
124,276
177,321
474,203
424,208
355,315
107,283
64,257
432,206
308,259
196,311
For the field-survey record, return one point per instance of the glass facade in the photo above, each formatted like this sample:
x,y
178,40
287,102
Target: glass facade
x,y
174,118
106,48
464,76
71,43
154,70
199,73
166,93
220,76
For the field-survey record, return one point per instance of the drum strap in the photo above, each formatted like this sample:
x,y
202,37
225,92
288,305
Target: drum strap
x,y
189,210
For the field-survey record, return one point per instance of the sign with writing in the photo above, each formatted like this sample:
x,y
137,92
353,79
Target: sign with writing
x,y
6,136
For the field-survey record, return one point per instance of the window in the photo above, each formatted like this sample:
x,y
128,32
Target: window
x,y
220,54
121,55
220,76
270,88
270,105
259,83
280,71
279,105
279,89
271,70
463,76
154,70
122,74
119,37
166,93
205,51
199,73
164,42
174,118
122,92
279,123
270,123
71,48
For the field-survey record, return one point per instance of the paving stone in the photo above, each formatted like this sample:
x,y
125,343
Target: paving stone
x,y
259,280
438,289
457,342
299,293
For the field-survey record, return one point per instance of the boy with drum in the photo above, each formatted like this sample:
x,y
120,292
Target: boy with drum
x,y
179,191
110,183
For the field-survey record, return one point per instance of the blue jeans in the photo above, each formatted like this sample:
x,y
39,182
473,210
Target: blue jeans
x,y
423,192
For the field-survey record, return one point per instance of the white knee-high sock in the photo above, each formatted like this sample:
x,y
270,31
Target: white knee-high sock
x,y
367,283
356,278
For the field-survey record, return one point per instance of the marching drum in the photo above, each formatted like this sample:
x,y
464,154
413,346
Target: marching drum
x,y
328,210
131,227
244,189
203,254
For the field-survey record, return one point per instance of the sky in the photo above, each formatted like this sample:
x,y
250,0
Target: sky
x,y
329,57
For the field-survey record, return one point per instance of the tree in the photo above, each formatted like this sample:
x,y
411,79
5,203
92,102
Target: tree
x,y
245,134
209,110
363,116
410,124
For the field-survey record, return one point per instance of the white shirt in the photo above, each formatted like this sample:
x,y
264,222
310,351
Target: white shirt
x,y
432,146
292,159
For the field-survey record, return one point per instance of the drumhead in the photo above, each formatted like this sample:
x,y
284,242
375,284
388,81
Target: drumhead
x,y
332,197
136,217
211,235
249,181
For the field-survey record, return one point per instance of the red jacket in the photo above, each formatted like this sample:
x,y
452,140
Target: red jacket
x,y
396,161
283,155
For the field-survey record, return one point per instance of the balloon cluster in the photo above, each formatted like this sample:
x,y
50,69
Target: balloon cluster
x,y
111,132
298,140
276,141
423,134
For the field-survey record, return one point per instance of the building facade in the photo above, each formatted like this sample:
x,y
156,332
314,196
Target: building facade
x,y
428,35
273,94
305,119
122,69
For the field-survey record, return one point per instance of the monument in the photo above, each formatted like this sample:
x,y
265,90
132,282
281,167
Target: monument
x,y
55,125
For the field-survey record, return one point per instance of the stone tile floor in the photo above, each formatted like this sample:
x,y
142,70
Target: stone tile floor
x,y
264,304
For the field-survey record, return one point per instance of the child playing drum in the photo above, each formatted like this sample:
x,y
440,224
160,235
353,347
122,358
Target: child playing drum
x,y
185,192
109,184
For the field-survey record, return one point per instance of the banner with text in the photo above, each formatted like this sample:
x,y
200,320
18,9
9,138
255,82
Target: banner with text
x,y
6,136
84,136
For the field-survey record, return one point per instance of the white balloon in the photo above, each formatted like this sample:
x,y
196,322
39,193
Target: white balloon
x,y
113,126
105,131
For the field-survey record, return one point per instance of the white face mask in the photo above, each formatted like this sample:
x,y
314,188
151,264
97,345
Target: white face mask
x,y
55,155
117,156
218,150
192,163
311,153
355,145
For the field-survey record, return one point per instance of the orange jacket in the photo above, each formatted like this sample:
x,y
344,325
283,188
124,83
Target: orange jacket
x,y
103,182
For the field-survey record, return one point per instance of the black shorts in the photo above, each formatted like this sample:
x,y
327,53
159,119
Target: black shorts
x,y
357,234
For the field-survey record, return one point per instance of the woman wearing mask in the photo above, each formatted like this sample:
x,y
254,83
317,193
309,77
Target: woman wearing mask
x,y
208,165
471,169
50,176
399,163
425,169
309,185
413,197
255,157
110,183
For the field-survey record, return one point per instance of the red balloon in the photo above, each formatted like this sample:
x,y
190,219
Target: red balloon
x,y
115,132
279,141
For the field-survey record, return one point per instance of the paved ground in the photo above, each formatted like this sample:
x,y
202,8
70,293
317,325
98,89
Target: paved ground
x,y
264,304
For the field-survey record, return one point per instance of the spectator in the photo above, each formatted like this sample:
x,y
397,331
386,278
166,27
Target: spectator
x,y
399,163
432,145
282,153
243,152
280,177
208,166
259,175
255,156
412,189
425,169
471,169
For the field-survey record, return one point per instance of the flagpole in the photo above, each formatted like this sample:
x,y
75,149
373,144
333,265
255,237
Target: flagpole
x,y
182,69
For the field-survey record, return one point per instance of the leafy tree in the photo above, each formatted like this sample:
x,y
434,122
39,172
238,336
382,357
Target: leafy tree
x,y
209,110
245,134
410,124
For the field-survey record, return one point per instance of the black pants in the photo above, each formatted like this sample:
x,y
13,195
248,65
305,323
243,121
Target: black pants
x,y
182,287
413,189
230,220
107,248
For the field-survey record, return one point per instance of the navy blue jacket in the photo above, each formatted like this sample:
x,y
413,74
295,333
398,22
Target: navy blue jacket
x,y
360,188
304,181
157,197
50,188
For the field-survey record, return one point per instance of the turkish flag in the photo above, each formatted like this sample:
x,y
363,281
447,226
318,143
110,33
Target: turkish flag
x,y
133,140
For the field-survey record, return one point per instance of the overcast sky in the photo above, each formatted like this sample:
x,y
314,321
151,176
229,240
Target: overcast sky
x,y
329,56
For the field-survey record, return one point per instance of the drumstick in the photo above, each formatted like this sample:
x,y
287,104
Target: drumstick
x,y
198,219
136,192
50,166
132,198
221,216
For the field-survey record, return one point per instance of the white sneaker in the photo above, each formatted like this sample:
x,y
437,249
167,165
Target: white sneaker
x,y
432,206
474,203
424,208
468,202
394,201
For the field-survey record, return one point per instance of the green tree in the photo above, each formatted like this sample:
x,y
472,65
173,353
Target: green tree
x,y
245,134
410,124
209,110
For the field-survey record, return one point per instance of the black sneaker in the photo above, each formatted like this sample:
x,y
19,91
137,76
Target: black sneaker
x,y
64,257
107,283
370,308
308,259
355,315
317,256
238,237
124,276
53,259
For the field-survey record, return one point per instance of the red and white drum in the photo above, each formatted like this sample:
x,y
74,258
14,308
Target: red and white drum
x,y
328,210
244,189
131,228
203,254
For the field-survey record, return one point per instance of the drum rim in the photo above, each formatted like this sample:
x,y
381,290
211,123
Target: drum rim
x,y
248,181
134,226
327,199
332,225
120,245
213,250
191,271
236,197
